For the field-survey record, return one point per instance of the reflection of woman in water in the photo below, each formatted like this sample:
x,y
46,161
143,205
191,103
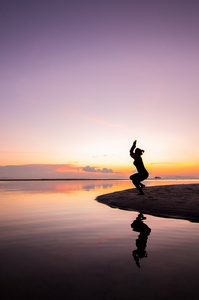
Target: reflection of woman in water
x,y
141,243
142,172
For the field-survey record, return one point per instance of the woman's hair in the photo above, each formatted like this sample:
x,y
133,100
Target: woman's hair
x,y
139,151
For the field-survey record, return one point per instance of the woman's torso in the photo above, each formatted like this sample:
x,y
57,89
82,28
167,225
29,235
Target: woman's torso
x,y
140,166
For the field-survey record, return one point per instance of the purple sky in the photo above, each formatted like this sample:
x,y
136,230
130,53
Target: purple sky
x,y
80,80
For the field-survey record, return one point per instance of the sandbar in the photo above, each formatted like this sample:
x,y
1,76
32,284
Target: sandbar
x,y
170,201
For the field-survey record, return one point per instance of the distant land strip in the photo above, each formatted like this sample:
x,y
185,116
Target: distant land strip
x,y
59,179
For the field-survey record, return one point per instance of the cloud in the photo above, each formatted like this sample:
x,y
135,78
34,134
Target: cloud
x,y
93,169
39,171
105,170
51,171
68,167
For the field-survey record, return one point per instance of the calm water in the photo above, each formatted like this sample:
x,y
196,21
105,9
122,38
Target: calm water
x,y
57,242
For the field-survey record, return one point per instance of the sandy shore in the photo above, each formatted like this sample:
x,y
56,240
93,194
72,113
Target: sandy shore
x,y
171,201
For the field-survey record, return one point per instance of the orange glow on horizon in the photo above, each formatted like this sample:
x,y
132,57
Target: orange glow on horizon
x,y
166,169
105,171
174,169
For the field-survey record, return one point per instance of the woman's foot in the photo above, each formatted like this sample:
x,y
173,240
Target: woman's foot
x,y
141,193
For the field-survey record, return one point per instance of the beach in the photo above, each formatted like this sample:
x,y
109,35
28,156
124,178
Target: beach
x,y
170,201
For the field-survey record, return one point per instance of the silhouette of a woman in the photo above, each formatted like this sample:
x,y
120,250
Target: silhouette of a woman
x,y
142,172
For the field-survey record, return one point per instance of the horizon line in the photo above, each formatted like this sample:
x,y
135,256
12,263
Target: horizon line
x,y
76,179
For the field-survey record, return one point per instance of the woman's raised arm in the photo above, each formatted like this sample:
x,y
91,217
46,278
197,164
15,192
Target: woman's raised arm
x,y
133,148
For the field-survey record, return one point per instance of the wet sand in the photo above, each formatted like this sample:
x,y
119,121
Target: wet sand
x,y
170,201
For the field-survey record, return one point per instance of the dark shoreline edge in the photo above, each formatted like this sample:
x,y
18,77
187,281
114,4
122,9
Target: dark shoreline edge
x,y
178,201
84,179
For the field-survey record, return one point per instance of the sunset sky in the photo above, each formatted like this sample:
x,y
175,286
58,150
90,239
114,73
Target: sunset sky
x,y
81,80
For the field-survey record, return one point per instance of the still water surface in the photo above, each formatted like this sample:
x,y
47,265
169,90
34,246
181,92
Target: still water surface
x,y
57,242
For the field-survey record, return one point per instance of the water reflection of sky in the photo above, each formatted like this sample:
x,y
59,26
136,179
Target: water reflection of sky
x,y
56,232
69,186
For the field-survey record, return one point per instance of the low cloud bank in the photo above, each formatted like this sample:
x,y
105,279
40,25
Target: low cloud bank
x,y
94,169
53,171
